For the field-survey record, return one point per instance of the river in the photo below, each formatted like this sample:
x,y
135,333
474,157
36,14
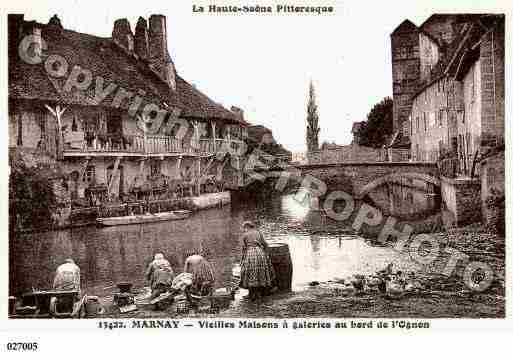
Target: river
x,y
110,255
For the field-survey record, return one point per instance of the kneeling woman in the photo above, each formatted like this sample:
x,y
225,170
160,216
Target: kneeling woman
x,y
257,273
202,275
160,274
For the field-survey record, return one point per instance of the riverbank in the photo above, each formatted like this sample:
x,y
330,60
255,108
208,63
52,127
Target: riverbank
x,y
87,216
439,297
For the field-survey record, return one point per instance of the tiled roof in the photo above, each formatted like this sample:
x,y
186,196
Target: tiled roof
x,y
405,26
102,57
107,60
454,50
196,104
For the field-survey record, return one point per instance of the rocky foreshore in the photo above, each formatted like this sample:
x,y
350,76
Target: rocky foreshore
x,y
434,296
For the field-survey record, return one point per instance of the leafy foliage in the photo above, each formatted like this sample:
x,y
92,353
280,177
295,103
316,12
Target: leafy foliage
x,y
31,197
379,125
312,119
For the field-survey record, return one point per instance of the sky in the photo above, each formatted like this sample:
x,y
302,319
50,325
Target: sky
x,y
264,63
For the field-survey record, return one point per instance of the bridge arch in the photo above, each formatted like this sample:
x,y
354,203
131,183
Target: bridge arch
x,y
395,178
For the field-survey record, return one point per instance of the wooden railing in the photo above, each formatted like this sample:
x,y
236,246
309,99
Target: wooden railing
x,y
163,144
207,146
449,167
153,145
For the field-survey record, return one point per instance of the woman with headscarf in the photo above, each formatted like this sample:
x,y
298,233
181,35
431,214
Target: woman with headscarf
x,y
257,273
202,274
160,274
67,276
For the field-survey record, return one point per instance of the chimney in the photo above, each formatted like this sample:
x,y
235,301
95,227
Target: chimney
x,y
160,61
35,29
55,21
141,39
158,37
239,113
15,22
54,27
122,35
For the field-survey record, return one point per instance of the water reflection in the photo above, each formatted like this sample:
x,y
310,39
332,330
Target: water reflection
x,y
110,255
296,206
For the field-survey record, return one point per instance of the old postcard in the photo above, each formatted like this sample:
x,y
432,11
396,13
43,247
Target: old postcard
x,y
230,165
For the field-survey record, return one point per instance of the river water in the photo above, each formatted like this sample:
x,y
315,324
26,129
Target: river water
x,y
107,256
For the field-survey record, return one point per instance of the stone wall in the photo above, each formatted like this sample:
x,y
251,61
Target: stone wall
x,y
398,154
434,118
349,153
462,198
31,126
405,71
429,55
493,190
469,126
492,80
356,177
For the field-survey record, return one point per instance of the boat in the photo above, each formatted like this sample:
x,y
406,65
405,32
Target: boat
x,y
211,200
144,218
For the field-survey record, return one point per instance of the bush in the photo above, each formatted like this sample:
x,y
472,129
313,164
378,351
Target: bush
x,y
31,197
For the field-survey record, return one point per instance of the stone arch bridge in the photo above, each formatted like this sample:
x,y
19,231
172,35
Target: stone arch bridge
x,y
358,178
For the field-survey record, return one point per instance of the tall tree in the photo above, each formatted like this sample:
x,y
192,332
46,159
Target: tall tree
x,y
312,119
379,125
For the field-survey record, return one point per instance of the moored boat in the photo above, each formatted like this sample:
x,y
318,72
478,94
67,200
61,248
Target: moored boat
x,y
144,218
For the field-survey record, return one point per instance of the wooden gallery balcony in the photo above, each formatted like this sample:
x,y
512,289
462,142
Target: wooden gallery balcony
x,y
139,145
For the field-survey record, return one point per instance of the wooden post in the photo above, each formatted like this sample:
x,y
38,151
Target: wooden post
x,y
178,165
113,175
198,176
57,113
214,135
84,167
195,136
207,167
141,167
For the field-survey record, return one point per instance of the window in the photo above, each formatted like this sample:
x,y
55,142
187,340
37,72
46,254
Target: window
x,y
440,118
425,122
155,168
42,124
19,123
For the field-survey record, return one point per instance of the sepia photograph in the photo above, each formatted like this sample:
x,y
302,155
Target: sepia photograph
x,y
300,165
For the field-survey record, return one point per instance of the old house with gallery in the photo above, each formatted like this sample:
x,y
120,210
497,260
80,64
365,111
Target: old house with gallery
x,y
448,91
115,115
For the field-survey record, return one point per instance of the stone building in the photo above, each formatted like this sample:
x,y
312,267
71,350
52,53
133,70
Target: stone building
x,y
355,131
448,85
405,72
456,102
114,112
262,138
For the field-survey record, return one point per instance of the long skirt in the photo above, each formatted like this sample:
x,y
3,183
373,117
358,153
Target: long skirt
x,y
202,278
256,269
